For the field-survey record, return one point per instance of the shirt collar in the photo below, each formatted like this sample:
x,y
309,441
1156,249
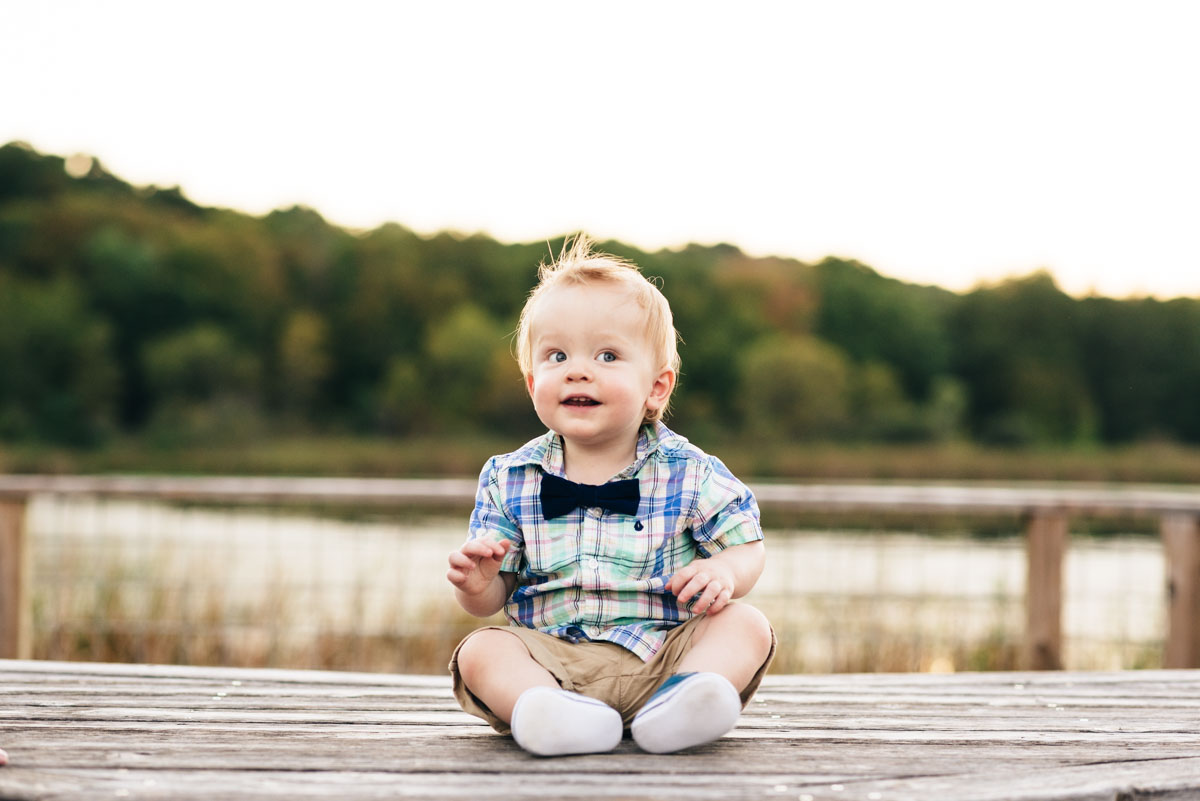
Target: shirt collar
x,y
548,451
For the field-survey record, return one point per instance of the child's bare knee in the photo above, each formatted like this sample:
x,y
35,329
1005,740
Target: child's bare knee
x,y
754,626
479,650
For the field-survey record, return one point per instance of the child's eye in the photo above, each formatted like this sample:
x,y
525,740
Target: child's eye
x,y
557,356
608,356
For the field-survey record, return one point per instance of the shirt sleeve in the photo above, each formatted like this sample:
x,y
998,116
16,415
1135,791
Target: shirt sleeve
x,y
725,513
489,519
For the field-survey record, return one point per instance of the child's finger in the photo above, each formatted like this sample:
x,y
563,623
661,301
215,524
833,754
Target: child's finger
x,y
681,586
695,586
707,598
486,549
476,549
499,547
457,576
680,579
722,601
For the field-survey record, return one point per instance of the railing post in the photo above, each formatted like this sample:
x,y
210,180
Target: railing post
x,y
15,642
1181,546
1046,544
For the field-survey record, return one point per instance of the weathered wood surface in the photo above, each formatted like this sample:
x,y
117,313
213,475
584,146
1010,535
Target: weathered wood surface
x,y
76,731
966,497
15,638
1181,541
1045,549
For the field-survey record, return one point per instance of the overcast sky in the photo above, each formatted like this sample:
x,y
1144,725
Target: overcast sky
x,y
938,142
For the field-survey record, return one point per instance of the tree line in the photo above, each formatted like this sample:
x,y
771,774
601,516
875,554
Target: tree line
x,y
132,311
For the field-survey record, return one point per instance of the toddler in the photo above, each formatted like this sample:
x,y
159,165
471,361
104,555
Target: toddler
x,y
614,546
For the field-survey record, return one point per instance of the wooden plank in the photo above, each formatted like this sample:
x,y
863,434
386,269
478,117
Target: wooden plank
x,y
1173,780
15,624
962,497
1047,537
972,497
76,731
249,489
1181,542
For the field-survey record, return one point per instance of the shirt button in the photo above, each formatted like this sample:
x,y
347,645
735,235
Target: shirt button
x,y
593,564
597,631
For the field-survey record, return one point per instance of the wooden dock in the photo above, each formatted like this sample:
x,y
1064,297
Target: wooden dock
x,y
89,731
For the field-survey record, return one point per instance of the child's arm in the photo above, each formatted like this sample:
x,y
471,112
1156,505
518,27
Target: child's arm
x,y
727,574
479,586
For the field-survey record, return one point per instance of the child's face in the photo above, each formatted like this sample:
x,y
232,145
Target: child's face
x,y
594,375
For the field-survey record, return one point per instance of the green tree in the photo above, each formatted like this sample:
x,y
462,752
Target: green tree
x,y
880,320
403,404
24,173
205,387
1142,362
796,388
878,406
59,382
1018,352
460,353
372,296
304,362
944,413
199,364
505,405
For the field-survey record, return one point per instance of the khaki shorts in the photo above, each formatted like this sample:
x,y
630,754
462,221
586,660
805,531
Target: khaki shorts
x,y
601,670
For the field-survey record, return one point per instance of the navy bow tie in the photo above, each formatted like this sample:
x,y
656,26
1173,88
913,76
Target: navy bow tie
x,y
560,497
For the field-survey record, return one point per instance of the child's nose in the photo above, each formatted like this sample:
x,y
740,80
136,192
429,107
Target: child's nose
x,y
578,370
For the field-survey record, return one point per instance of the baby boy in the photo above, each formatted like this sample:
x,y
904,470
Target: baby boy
x,y
615,547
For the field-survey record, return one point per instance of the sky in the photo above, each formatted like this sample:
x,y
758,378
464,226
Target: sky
x,y
947,143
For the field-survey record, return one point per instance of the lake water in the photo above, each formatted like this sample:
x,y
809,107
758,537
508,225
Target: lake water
x,y
839,600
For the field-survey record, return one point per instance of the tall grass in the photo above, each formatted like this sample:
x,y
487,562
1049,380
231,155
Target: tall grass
x,y
140,582
847,638
113,619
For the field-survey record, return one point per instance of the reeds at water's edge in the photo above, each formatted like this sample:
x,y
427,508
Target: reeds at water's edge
x,y
125,623
158,583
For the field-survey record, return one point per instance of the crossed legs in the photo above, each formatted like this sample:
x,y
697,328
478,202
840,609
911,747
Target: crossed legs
x,y
497,668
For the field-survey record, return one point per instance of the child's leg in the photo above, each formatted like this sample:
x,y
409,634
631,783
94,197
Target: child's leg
x,y
701,700
497,668
734,643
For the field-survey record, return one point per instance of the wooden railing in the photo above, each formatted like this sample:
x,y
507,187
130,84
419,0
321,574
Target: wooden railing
x,y
1045,508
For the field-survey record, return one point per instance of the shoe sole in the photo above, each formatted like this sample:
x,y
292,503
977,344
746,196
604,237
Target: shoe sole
x,y
696,711
549,722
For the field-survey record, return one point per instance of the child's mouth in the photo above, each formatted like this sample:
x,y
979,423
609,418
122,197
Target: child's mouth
x,y
580,401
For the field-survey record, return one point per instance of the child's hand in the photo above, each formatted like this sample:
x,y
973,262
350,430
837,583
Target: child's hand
x,y
707,583
474,566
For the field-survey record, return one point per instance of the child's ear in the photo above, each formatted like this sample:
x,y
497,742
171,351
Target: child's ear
x,y
660,390
529,384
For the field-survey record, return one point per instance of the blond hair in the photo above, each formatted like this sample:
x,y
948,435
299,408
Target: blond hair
x,y
578,264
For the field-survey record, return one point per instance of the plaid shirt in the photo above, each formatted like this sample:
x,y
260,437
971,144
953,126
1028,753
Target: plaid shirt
x,y
599,575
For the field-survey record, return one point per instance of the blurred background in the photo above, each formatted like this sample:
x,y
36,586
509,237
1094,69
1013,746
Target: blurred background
x,y
903,243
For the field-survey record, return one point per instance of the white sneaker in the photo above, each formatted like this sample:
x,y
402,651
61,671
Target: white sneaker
x,y
689,709
551,722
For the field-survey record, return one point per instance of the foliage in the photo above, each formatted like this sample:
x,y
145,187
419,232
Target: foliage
x,y
132,313
796,388
59,379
